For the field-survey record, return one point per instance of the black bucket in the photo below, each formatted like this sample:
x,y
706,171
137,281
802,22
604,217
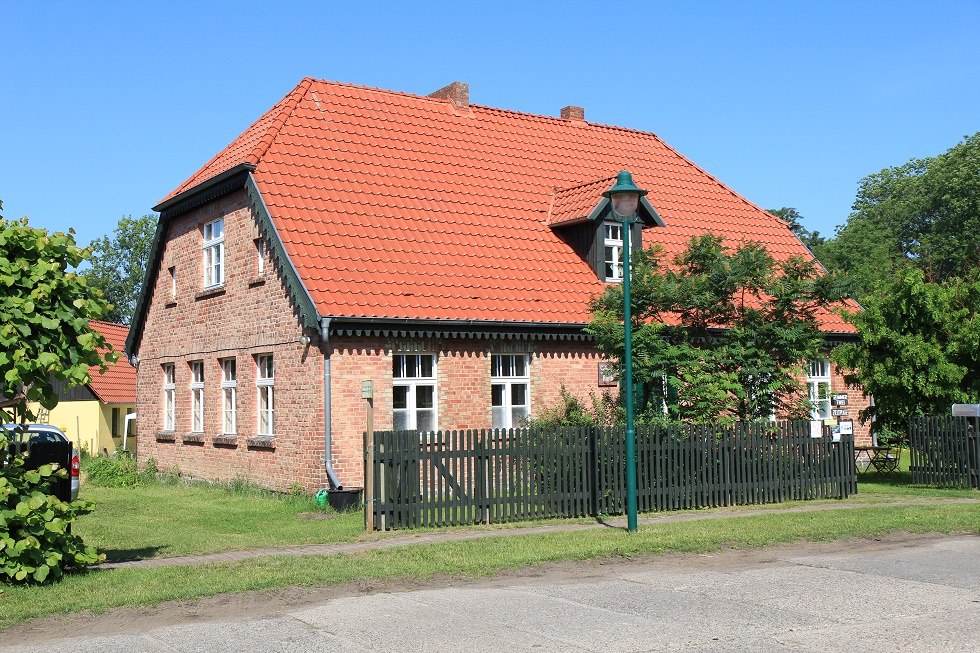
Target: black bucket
x,y
344,498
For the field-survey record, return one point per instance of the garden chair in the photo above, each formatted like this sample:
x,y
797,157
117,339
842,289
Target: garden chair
x,y
887,460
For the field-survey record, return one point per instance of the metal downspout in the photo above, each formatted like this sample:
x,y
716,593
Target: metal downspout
x,y
327,444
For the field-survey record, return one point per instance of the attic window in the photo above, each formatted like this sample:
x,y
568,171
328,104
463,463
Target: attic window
x,y
613,246
214,253
259,257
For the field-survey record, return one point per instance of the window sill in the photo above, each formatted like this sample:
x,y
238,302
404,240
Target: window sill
x,y
170,304
256,281
262,442
225,440
166,436
192,438
207,293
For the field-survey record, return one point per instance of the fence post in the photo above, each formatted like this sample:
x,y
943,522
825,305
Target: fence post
x,y
593,469
369,467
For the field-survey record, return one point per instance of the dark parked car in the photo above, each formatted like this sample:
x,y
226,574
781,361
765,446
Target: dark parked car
x,y
44,433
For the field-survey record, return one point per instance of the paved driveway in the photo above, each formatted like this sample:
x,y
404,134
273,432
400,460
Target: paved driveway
x,y
918,594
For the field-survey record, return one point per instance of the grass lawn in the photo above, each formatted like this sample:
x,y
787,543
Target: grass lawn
x,y
167,520
157,520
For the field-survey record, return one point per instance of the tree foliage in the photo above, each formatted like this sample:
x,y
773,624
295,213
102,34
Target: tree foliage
x,y
45,310
717,334
812,239
36,543
920,347
118,263
925,213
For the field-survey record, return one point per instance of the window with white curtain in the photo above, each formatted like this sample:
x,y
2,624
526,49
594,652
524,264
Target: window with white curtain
x,y
509,390
414,392
265,382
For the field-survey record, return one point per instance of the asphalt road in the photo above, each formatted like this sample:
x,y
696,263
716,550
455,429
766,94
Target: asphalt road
x,y
911,595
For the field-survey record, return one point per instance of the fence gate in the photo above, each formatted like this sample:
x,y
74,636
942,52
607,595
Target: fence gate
x,y
945,451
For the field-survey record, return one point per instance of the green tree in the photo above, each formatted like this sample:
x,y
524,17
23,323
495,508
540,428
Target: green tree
x,y
920,347
45,310
812,239
118,263
925,213
718,334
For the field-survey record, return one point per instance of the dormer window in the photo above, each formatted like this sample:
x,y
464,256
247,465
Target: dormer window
x,y
214,253
613,248
598,235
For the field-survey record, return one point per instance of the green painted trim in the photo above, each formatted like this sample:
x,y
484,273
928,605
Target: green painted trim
x,y
191,198
476,329
297,290
647,214
149,281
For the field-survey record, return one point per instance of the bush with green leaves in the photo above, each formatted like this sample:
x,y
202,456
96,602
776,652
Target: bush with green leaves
x,y
112,471
36,543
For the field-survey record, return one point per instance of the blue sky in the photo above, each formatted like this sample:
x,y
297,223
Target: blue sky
x,y
106,107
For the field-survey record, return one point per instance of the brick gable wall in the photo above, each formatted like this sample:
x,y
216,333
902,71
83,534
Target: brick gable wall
x,y
251,315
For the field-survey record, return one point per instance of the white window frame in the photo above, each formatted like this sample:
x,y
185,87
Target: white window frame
x,y
504,374
214,253
169,396
265,380
410,377
259,257
229,396
612,251
197,396
818,375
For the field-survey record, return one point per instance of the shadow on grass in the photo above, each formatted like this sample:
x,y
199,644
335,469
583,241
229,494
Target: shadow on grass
x,y
125,555
878,479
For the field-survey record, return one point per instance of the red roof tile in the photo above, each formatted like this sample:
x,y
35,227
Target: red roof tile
x,y
402,206
117,385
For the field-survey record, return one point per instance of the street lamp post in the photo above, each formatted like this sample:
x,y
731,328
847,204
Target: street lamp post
x,y
625,199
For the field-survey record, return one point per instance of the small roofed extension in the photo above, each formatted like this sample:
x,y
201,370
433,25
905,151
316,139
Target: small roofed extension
x,y
438,248
94,416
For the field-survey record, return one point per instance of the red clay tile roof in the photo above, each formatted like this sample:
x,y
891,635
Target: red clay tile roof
x,y
117,385
402,206
574,204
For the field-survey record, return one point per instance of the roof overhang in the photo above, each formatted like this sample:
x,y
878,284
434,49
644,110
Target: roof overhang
x,y
478,329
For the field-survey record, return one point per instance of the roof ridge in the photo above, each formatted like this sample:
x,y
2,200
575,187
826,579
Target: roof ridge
x,y
288,105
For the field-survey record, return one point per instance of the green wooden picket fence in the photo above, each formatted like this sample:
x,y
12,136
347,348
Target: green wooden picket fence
x,y
494,476
944,451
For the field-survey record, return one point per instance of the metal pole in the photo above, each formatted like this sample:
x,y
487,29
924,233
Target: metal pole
x,y
630,427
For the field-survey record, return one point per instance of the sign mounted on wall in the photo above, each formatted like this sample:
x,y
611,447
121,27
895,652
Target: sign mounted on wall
x,y
838,412
839,399
607,374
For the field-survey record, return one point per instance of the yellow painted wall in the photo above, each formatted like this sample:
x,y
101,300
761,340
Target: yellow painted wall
x,y
89,424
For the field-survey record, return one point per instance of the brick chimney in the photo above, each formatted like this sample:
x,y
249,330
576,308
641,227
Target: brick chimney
x,y
458,93
573,113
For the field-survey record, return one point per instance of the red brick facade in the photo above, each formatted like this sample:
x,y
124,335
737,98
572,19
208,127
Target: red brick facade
x,y
252,314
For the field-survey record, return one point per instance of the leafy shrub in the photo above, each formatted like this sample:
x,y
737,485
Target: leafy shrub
x,y
120,470
36,543
112,471
569,410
